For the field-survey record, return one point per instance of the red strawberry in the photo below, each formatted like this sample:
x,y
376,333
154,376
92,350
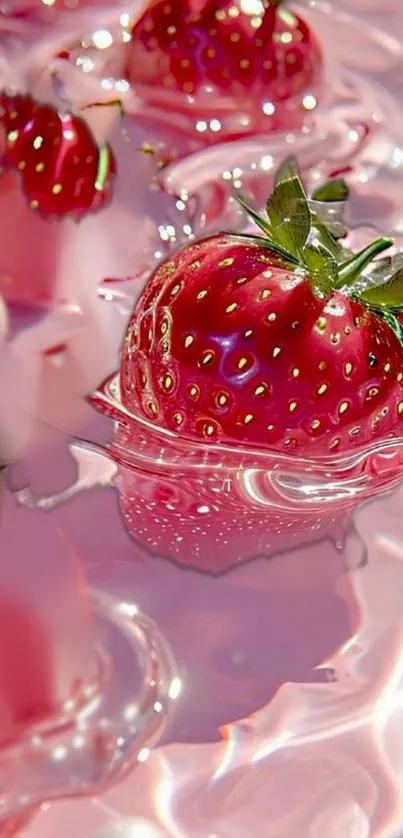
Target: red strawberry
x,y
237,71
270,340
263,344
63,170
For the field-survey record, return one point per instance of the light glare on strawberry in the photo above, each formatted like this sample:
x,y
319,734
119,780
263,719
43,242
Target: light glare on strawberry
x,y
272,340
63,170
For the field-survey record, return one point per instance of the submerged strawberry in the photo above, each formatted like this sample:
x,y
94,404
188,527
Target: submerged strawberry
x,y
63,170
238,67
283,340
217,518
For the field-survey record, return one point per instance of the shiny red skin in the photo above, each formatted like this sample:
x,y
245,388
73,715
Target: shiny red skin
x,y
219,54
57,157
227,344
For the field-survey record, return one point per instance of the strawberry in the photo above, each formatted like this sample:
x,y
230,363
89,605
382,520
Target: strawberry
x,y
283,341
234,71
241,350
63,170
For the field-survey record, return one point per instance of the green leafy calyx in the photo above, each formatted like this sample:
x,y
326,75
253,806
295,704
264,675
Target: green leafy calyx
x,y
307,233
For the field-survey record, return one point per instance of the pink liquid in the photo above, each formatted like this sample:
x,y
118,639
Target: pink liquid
x,y
305,646
44,663
211,507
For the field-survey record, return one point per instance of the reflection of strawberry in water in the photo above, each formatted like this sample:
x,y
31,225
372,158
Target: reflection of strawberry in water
x,y
275,346
63,170
253,66
46,651
213,519
22,707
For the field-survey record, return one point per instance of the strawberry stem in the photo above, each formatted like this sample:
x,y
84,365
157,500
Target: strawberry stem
x,y
103,168
294,230
350,270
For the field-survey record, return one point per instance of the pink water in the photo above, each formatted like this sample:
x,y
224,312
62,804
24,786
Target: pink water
x,y
287,712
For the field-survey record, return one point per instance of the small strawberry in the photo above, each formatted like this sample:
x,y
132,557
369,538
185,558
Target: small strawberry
x,y
63,170
282,341
236,70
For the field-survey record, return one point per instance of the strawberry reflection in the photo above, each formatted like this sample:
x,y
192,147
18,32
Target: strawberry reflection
x,y
340,742
212,507
236,636
211,522
20,708
44,662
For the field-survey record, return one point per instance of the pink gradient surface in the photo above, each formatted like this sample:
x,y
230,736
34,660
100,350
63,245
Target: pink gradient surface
x,y
312,672
287,712
49,651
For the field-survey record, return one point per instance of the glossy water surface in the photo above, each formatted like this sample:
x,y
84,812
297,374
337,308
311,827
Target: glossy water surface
x,y
287,711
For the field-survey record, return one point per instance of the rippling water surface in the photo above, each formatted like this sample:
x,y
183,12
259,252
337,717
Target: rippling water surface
x,y
275,584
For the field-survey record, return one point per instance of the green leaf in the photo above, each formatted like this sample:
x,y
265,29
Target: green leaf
x,y
304,233
388,295
262,241
288,209
321,265
382,270
353,267
269,239
256,217
289,170
331,216
326,238
394,324
333,191
328,205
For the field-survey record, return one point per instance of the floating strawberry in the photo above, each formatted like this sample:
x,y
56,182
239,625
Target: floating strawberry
x,y
283,341
63,170
237,67
242,350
